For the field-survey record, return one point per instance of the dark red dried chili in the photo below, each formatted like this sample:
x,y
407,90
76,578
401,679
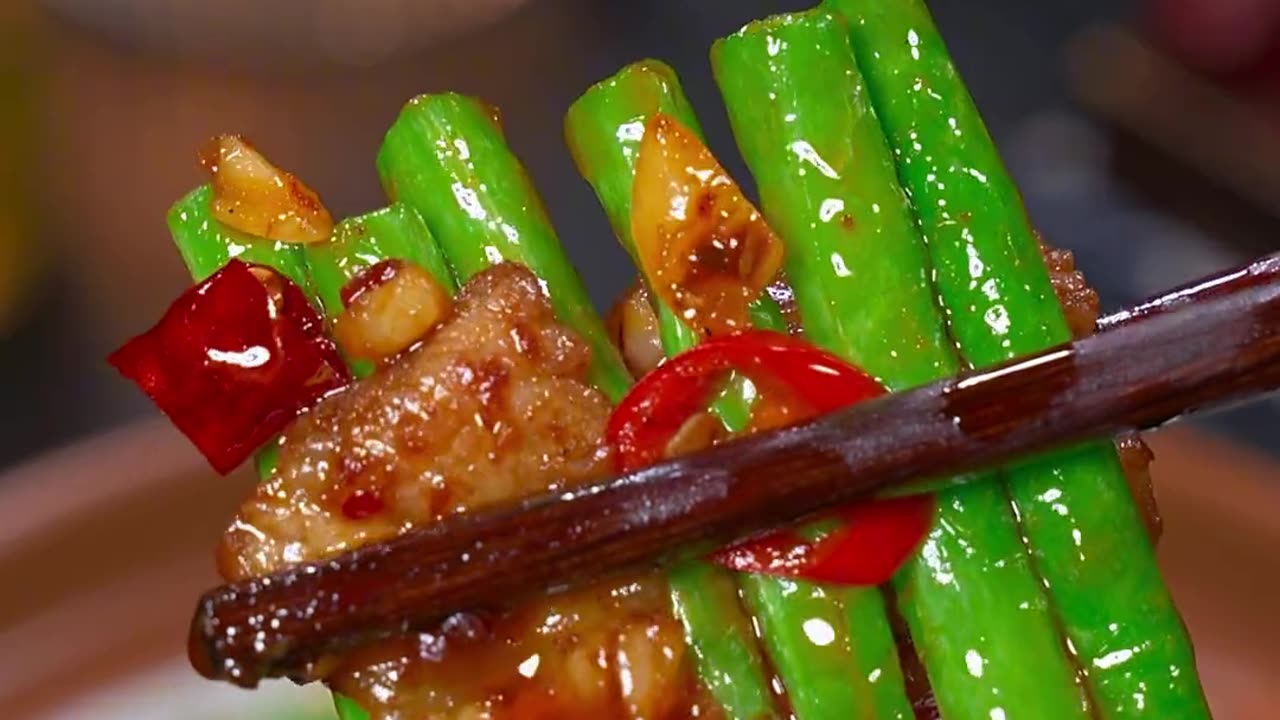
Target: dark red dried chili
x,y
233,360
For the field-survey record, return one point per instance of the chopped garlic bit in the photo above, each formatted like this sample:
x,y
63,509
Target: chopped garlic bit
x,y
255,197
386,318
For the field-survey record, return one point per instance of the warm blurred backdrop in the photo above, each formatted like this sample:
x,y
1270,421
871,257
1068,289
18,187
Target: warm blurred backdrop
x,y
1145,136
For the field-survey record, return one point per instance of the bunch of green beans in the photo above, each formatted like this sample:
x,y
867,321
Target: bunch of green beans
x,y
1035,594
1085,534
862,284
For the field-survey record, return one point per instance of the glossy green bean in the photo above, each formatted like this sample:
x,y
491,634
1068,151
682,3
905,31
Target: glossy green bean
x,y
206,244
445,157
348,709
1084,531
394,232
603,129
799,111
721,636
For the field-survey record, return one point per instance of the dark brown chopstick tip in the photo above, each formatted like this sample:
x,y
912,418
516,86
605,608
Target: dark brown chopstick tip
x,y
200,651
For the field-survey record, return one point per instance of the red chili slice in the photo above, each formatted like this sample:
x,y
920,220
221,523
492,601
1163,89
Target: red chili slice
x,y
233,360
875,538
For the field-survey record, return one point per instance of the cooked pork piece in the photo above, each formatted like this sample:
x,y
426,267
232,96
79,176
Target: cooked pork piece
x,y
493,405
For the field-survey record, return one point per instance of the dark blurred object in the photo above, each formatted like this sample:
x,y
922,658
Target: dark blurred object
x,y
1197,100
291,33
1221,137
18,80
1234,42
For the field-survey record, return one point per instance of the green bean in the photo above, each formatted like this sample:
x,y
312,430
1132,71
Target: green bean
x,y
603,129
348,709
1086,535
799,111
445,157
391,233
722,639
206,244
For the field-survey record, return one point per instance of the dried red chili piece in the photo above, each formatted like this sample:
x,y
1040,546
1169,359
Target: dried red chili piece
x,y
233,360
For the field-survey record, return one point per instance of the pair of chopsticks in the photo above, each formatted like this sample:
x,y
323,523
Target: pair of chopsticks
x,y
1206,344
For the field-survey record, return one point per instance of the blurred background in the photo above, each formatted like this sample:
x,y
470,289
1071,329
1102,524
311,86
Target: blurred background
x,y
1144,135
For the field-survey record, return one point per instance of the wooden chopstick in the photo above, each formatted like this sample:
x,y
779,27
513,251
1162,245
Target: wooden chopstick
x,y
1261,271
1169,357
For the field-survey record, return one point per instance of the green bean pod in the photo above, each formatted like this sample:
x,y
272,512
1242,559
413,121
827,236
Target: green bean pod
x,y
445,156
802,119
476,201
205,244
604,129
395,232
1084,531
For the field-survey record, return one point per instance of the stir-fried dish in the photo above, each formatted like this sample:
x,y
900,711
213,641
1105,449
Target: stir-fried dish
x,y
440,355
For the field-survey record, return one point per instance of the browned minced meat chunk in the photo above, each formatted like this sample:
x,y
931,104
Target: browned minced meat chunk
x,y
1135,458
1080,305
1079,301
492,405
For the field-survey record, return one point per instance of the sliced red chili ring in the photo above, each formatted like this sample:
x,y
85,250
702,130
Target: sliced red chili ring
x,y
875,537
